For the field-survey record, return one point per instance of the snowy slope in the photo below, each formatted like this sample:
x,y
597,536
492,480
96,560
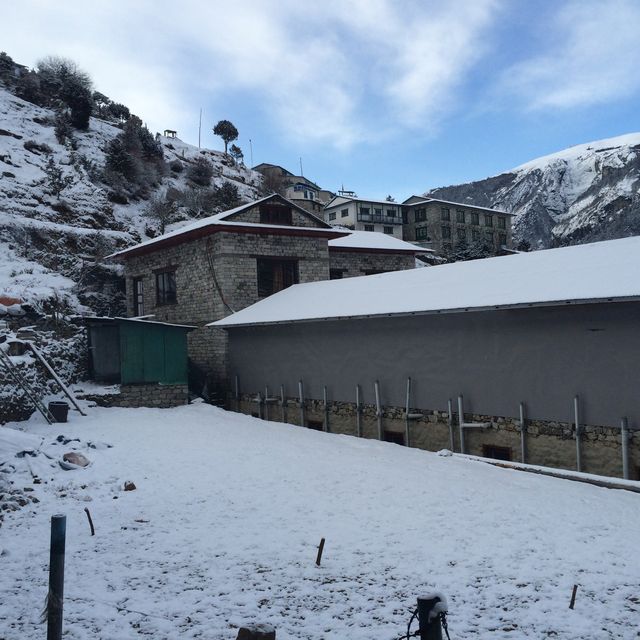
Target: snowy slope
x,y
52,232
584,193
228,511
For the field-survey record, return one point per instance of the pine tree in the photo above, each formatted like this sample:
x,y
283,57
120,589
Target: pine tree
x,y
227,132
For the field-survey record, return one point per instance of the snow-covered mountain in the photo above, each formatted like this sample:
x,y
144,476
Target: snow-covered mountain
x,y
51,244
582,194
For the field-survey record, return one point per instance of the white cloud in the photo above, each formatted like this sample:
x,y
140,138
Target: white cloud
x,y
331,72
593,58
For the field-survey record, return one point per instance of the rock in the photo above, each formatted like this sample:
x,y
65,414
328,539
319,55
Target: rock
x,y
129,486
73,457
257,632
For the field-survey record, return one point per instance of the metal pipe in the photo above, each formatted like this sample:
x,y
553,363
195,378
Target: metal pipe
x,y
301,401
282,405
56,577
450,422
376,387
461,423
406,415
624,434
326,409
358,413
576,413
523,435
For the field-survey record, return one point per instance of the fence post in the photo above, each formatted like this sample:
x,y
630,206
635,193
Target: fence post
x,y
576,412
452,444
56,577
301,399
624,435
461,423
523,435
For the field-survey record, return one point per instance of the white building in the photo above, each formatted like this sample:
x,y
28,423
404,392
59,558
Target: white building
x,y
363,214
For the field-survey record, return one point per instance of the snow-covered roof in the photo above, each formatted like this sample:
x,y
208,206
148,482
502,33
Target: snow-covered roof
x,y
598,272
220,219
386,203
374,241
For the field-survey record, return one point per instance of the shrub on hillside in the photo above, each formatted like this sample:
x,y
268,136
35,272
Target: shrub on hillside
x,y
200,172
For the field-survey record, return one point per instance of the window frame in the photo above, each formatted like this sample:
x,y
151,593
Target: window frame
x,y
166,288
138,296
445,214
267,285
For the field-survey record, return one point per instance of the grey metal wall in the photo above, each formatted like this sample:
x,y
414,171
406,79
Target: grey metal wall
x,y
542,356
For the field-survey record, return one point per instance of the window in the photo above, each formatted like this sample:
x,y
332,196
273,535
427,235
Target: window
x,y
488,220
446,232
475,219
344,213
275,214
365,211
502,222
422,233
488,236
405,217
462,234
502,239
369,227
138,297
497,453
445,214
378,212
332,215
475,235
336,274
275,275
166,287
388,230
421,215
460,216
391,213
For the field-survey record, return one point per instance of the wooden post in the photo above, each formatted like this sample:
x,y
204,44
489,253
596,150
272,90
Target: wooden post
x,y
452,444
266,403
376,387
461,423
56,577
320,550
573,596
326,409
283,407
576,412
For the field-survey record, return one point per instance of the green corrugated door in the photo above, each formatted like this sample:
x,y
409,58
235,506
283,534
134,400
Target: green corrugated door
x,y
175,356
131,352
154,353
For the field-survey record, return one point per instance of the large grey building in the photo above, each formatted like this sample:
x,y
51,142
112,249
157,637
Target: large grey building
x,y
444,226
541,350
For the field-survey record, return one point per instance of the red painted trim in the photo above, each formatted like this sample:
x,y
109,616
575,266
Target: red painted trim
x,y
202,232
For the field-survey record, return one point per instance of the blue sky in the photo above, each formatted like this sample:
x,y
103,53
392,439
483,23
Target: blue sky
x,y
381,96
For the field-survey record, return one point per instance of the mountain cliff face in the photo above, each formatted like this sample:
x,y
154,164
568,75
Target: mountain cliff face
x,y
582,194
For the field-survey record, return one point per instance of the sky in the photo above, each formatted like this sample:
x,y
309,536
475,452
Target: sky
x,y
382,97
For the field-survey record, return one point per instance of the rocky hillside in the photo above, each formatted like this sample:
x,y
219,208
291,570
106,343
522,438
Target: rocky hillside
x,y
582,194
61,211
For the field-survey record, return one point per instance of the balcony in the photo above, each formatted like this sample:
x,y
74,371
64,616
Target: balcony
x,y
381,218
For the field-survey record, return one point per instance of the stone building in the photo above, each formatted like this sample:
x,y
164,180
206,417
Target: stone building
x,y
362,214
218,265
444,226
540,349
297,189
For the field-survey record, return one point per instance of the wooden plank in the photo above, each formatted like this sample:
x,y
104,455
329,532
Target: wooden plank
x,y
55,376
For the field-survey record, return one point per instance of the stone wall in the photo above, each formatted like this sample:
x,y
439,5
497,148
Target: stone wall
x,y
162,396
216,276
353,264
547,443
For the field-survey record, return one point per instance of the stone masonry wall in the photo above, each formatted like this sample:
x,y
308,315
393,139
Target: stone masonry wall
x,y
549,444
162,396
356,264
230,260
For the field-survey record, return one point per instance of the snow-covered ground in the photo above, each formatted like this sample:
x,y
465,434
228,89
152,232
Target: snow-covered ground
x,y
228,511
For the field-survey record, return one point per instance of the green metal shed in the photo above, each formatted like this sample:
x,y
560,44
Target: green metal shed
x,y
135,351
